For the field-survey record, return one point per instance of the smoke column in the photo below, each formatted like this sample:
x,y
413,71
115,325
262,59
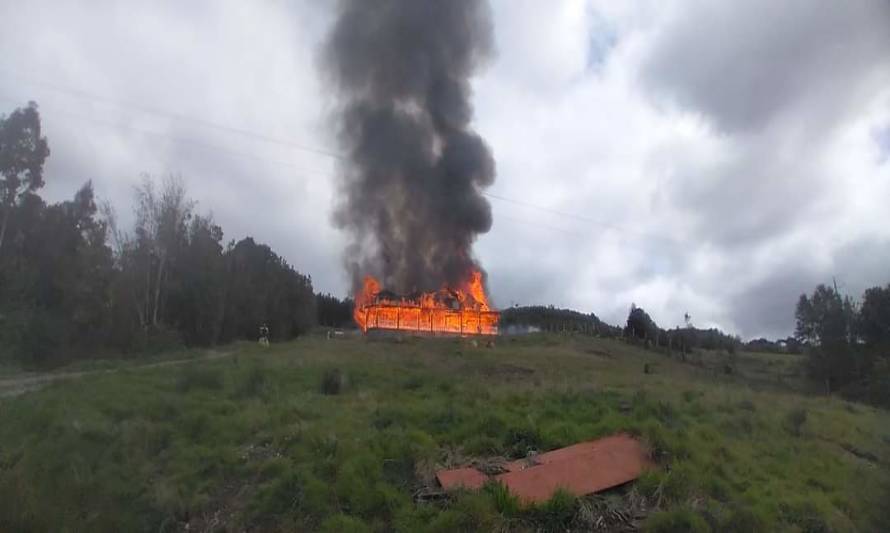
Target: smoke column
x,y
411,185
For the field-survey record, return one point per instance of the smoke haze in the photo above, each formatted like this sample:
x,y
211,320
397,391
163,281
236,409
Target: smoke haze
x,y
410,192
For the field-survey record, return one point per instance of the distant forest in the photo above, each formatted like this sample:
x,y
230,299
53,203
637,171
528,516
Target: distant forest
x,y
75,284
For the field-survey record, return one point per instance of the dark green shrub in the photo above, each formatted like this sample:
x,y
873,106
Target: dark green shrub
x,y
254,382
474,513
333,382
795,419
504,502
555,514
521,440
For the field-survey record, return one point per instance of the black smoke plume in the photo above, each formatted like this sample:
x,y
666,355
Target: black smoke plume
x,y
411,184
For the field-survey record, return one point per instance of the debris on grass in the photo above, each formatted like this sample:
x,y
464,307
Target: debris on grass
x,y
580,469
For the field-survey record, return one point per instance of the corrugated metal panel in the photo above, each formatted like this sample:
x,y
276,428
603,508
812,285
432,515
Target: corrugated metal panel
x,y
580,469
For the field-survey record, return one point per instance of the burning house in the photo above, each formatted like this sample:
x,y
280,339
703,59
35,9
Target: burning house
x,y
410,195
448,311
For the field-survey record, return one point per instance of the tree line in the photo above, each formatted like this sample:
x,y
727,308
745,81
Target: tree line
x,y
847,341
641,327
74,283
554,319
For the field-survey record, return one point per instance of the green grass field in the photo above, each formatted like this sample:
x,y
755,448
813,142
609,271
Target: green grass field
x,y
339,435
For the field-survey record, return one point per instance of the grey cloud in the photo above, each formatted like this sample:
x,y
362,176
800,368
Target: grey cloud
x,y
752,195
744,64
767,307
882,138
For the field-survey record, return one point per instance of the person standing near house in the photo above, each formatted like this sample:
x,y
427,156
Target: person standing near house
x,y
264,335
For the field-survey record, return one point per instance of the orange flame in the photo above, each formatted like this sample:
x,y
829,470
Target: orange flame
x,y
462,310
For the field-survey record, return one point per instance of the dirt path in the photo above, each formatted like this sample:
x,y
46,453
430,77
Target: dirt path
x,y
36,380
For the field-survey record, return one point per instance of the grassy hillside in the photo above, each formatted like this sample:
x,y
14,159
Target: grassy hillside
x,y
339,435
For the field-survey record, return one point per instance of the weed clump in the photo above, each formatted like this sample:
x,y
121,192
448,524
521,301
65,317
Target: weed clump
x,y
333,382
794,421
557,513
253,383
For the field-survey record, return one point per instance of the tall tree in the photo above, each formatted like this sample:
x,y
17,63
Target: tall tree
x,y
197,285
874,323
264,288
56,286
640,324
826,321
23,151
159,235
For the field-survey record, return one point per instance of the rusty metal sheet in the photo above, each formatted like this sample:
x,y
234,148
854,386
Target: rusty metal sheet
x,y
468,478
580,469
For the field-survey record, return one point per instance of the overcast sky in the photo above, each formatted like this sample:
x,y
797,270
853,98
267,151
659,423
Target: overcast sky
x,y
715,158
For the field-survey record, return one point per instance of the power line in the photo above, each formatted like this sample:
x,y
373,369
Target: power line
x,y
193,142
549,210
261,137
542,226
582,218
77,93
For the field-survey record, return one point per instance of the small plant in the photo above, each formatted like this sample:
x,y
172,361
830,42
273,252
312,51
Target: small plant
x,y
254,382
795,419
506,503
555,514
333,382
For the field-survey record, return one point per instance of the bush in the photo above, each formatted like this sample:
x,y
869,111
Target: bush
x,y
679,483
795,419
521,440
333,382
504,501
473,513
555,514
279,497
254,382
